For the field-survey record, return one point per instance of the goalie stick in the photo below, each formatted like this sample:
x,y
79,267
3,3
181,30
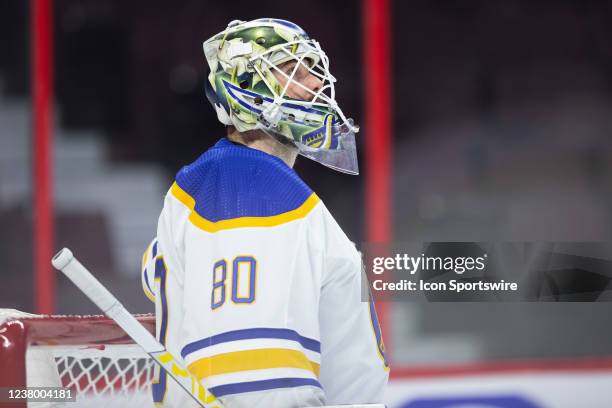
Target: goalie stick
x,y
65,261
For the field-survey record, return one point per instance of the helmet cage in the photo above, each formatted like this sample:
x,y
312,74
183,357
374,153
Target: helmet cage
x,y
308,54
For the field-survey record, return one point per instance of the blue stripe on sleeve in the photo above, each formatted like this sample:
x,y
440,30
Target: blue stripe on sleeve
x,y
160,268
146,279
247,334
236,388
159,389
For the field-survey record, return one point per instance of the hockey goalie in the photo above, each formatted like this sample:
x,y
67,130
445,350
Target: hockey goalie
x,y
256,287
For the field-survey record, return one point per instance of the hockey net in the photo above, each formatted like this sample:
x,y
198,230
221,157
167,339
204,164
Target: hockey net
x,y
90,355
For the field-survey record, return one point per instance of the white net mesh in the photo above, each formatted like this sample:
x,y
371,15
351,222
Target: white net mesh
x,y
104,376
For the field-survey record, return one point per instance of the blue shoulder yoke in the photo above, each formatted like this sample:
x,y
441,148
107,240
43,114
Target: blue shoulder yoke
x,y
231,180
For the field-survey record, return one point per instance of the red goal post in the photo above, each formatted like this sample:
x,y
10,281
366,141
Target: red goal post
x,y
91,355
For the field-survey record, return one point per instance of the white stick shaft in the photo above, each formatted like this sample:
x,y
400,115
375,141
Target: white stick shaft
x,y
78,274
94,290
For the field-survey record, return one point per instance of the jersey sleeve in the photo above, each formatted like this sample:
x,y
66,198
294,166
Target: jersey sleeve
x,y
354,368
147,274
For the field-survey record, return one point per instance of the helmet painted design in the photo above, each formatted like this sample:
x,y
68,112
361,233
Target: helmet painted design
x,y
245,92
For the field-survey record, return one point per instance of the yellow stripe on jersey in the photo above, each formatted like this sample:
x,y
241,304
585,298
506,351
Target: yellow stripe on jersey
x,y
241,222
145,256
143,272
147,293
252,360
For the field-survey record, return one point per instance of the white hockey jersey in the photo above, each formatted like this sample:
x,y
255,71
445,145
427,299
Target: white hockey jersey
x,y
258,289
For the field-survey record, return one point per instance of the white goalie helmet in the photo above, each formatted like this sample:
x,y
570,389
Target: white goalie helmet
x,y
245,63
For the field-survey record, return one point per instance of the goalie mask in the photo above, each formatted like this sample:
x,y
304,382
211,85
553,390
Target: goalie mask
x,y
245,61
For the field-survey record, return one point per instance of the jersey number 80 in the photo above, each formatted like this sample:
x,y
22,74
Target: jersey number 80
x,y
243,281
